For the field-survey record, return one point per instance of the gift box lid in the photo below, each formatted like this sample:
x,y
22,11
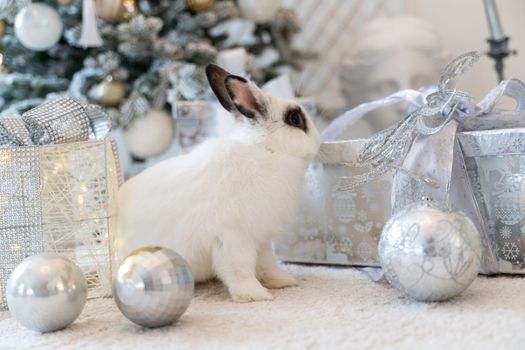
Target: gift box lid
x,y
498,142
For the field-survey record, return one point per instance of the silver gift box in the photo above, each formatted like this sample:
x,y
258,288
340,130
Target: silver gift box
x,y
195,122
495,162
59,198
335,226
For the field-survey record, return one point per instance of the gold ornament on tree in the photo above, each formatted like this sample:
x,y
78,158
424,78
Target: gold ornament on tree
x,y
130,9
110,10
109,92
2,27
200,5
3,68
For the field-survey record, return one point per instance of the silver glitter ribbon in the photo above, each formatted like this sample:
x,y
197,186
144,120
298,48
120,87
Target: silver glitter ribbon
x,y
62,120
387,149
423,147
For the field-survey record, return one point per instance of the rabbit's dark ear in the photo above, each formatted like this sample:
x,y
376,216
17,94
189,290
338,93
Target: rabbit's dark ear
x,y
247,98
217,79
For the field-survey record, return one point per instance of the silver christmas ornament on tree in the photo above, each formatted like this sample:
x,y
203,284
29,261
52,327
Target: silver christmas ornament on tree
x,y
153,286
430,253
46,292
38,26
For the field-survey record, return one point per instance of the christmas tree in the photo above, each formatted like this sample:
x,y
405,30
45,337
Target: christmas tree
x,y
132,56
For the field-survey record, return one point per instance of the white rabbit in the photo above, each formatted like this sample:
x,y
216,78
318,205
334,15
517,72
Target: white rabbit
x,y
221,205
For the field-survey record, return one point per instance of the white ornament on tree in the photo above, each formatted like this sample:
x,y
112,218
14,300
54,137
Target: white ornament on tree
x,y
259,11
149,135
38,27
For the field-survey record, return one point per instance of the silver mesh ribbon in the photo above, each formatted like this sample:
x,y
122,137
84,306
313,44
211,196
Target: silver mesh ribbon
x,y
63,120
13,132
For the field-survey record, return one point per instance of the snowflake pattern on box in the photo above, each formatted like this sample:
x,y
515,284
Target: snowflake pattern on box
x,y
59,198
334,226
496,167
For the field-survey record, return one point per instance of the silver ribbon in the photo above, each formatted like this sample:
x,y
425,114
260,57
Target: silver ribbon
x,y
62,120
431,112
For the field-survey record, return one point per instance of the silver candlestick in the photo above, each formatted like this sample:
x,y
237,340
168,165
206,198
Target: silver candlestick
x,y
499,43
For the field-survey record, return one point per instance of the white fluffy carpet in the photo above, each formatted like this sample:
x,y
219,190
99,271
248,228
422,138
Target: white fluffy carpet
x,y
334,308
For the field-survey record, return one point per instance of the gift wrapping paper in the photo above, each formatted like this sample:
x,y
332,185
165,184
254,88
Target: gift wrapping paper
x,y
335,226
495,162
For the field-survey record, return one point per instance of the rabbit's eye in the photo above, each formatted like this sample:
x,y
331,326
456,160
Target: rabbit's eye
x,y
295,117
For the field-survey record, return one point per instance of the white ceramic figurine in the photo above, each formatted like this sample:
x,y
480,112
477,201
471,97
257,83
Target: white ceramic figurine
x,y
221,205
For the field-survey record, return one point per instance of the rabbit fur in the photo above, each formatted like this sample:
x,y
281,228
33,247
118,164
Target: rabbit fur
x,y
221,205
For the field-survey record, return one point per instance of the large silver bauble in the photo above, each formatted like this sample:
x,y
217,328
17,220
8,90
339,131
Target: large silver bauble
x,y
153,286
428,253
46,292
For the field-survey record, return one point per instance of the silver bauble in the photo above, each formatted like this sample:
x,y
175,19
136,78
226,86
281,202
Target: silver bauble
x,y
430,253
153,286
46,292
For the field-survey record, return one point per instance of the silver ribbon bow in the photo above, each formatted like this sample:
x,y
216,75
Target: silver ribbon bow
x,y
62,120
386,150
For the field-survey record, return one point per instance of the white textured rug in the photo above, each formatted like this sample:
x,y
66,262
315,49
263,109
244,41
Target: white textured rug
x,y
334,308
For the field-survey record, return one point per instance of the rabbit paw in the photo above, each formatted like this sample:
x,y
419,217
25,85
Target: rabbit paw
x,y
281,281
250,291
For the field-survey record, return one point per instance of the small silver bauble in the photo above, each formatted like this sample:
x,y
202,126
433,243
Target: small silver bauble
x,y
153,286
46,292
430,253
38,26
